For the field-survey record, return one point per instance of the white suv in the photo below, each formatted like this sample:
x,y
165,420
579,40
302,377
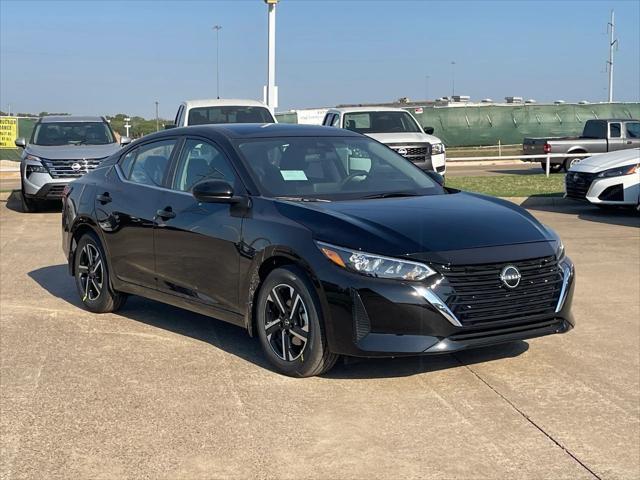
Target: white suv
x,y
397,129
202,112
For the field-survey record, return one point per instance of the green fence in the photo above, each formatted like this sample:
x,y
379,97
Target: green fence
x,y
508,124
25,127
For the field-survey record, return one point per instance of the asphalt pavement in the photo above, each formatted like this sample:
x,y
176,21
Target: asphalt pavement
x,y
157,392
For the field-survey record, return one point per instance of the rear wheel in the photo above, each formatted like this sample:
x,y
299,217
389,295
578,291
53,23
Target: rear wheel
x,y
289,326
92,277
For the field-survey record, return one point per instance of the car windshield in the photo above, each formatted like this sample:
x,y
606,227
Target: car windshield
x,y
208,115
380,122
332,168
72,133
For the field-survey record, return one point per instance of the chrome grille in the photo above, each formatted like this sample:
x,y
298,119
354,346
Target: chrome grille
x,y
70,168
480,298
416,152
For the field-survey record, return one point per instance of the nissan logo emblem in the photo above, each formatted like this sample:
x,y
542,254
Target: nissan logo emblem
x,y
402,151
76,166
510,276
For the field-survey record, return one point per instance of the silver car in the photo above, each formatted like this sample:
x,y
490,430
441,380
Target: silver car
x,y
61,149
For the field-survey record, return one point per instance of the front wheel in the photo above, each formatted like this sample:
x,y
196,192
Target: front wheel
x,y
92,277
29,205
289,325
570,162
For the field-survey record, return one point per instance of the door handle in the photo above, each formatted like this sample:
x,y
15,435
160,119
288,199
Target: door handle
x,y
103,197
629,142
166,213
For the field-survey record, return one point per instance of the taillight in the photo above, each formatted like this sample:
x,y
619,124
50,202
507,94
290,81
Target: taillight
x,y
546,148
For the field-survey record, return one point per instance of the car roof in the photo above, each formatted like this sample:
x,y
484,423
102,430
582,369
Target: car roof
x,y
365,109
256,130
70,118
223,102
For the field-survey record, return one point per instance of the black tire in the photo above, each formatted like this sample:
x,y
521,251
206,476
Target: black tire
x,y
92,277
569,162
553,168
29,205
289,287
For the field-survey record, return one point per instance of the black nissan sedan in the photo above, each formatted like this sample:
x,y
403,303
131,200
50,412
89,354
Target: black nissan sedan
x,y
319,241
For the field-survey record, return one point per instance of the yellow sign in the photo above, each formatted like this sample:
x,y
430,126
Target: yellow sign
x,y
8,132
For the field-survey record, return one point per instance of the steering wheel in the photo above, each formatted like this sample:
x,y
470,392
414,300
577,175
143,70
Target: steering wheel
x,y
349,178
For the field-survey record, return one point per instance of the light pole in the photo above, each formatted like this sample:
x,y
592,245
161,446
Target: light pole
x,y
157,118
426,87
271,91
453,79
217,29
613,43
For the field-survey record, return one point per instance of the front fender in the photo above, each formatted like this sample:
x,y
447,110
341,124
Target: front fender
x,y
277,255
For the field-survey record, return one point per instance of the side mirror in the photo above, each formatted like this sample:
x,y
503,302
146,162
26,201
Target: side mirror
x,y
428,130
20,142
167,126
435,176
125,141
214,191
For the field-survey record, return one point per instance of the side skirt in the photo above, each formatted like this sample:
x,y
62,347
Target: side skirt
x,y
176,301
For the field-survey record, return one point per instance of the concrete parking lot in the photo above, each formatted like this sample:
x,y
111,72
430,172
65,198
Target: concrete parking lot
x,y
157,392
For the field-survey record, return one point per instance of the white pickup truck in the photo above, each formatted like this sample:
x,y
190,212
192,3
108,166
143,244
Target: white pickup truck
x,y
202,112
397,129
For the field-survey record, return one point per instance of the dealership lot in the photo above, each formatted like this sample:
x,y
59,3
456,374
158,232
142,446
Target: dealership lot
x,y
154,391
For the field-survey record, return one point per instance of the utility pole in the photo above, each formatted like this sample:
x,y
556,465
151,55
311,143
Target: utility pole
x,y
453,79
127,125
157,118
613,43
271,91
426,87
217,29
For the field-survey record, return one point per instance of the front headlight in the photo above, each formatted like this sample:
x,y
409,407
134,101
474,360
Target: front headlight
x,y
618,171
375,265
31,168
437,148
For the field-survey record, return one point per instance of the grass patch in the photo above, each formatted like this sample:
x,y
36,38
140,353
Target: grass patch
x,y
511,185
484,151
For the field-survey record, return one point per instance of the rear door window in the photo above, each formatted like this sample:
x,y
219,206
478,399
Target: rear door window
x,y
151,163
614,130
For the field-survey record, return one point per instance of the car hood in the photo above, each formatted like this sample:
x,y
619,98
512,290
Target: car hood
x,y
410,225
404,138
72,152
605,161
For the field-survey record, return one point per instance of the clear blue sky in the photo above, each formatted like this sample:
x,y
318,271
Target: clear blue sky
x,y
116,56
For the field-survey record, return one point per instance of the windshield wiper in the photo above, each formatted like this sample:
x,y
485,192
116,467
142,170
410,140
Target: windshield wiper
x,y
392,195
303,199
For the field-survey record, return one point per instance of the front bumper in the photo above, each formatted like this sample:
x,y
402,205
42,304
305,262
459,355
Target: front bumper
x,y
42,186
382,318
623,190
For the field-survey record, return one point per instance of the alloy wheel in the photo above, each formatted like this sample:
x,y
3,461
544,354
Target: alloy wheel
x,y
90,272
286,322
